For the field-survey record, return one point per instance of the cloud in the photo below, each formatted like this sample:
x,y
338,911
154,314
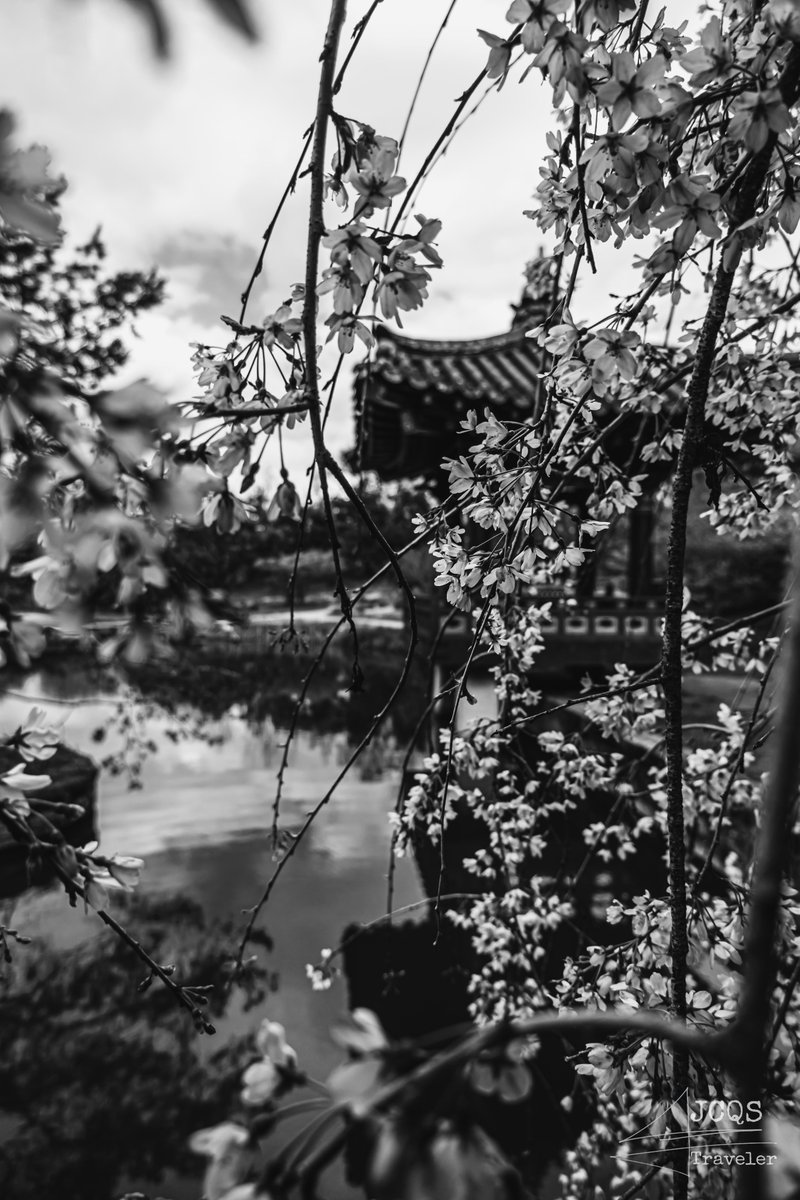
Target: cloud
x,y
183,163
205,272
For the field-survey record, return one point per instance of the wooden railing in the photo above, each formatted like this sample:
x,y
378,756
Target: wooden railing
x,y
586,636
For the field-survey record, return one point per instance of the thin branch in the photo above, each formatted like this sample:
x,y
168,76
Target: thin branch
x,y
581,170
357,595
268,232
22,834
648,679
461,104
421,77
255,911
358,32
316,231
285,410
388,917
739,623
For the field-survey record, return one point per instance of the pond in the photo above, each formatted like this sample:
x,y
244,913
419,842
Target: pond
x,y
100,1087
201,820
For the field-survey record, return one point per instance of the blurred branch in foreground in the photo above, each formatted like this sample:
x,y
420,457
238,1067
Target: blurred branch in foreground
x,y
235,13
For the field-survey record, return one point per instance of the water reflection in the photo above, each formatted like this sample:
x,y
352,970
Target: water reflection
x,y
201,821
101,1084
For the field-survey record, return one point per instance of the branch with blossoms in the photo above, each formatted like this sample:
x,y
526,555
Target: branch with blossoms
x,y
376,1097
35,822
643,139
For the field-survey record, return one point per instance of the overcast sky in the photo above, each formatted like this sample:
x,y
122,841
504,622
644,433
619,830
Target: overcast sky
x,y
182,162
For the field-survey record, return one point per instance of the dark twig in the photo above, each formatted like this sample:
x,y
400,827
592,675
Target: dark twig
x,y
21,833
581,169
358,32
357,595
316,230
268,232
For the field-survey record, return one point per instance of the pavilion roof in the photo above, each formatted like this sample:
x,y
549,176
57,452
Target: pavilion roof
x,y
413,394
501,370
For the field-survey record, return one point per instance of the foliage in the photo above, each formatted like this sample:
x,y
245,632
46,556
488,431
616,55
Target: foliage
x,y
260,555
74,310
235,13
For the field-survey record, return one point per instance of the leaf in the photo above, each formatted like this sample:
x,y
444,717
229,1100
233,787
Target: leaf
x,y
361,1034
679,1115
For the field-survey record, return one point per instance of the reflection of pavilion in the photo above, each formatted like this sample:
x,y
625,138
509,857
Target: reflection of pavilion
x,y
413,395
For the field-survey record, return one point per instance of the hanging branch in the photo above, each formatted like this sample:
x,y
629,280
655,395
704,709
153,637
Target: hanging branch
x,y
394,564
268,232
325,464
421,77
357,595
186,997
358,33
744,207
581,170
316,231
410,195
312,815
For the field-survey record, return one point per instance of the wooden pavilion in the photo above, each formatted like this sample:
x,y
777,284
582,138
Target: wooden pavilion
x,y
412,395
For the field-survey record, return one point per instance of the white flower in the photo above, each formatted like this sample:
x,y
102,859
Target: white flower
x,y
27,641
245,1191
227,1147
37,739
95,893
363,1035
125,870
319,979
271,1042
285,503
14,783
216,1141
261,1081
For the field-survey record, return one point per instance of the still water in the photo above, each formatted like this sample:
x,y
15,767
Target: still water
x,y
201,821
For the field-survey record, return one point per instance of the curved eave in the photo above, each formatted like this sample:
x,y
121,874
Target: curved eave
x,y
494,371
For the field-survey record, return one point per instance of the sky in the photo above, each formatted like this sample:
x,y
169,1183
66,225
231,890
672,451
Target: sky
x,y
182,162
